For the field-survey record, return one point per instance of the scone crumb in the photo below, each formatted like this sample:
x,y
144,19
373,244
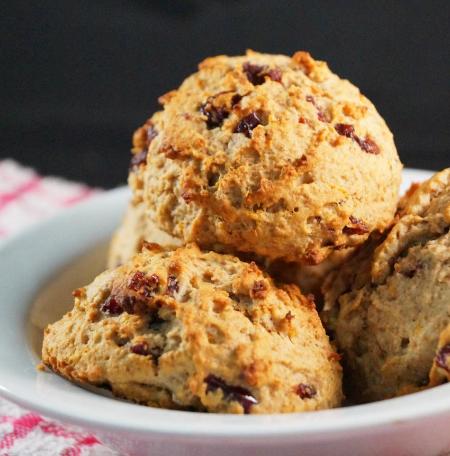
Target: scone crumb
x,y
79,292
93,315
305,61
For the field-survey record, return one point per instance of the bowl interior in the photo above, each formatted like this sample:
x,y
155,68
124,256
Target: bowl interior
x,y
54,299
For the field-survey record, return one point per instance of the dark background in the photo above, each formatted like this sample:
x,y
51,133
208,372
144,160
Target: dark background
x,y
79,76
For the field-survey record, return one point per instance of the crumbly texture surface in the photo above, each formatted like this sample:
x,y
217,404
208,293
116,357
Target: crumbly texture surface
x,y
309,278
198,331
389,306
136,228
267,154
129,238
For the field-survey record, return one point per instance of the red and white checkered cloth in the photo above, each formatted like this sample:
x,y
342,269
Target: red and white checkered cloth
x,y
25,198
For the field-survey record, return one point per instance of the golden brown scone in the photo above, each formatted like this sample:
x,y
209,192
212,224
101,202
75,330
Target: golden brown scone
x,y
135,228
202,331
389,306
267,154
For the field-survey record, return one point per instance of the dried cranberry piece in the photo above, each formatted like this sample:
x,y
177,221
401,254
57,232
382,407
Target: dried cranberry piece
x,y
259,290
111,306
154,279
231,392
305,391
289,316
236,99
171,152
143,284
187,196
303,160
215,115
152,133
442,357
129,304
138,159
350,230
143,349
357,227
135,282
275,74
140,349
320,114
155,353
117,304
345,130
255,73
172,285
367,144
248,123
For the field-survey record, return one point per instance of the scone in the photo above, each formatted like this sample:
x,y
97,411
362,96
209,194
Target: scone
x,y
199,331
309,278
135,228
389,306
267,154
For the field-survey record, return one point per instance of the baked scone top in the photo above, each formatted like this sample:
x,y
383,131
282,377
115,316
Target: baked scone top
x,y
203,331
389,306
267,154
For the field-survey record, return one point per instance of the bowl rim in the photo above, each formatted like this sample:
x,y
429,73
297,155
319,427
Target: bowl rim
x,y
87,224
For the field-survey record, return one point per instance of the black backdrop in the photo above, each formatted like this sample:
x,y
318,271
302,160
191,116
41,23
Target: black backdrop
x,y
79,76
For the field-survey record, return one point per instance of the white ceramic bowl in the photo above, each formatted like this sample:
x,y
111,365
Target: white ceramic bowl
x,y
38,270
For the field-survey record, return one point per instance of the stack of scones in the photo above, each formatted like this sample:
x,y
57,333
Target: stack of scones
x,y
265,188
